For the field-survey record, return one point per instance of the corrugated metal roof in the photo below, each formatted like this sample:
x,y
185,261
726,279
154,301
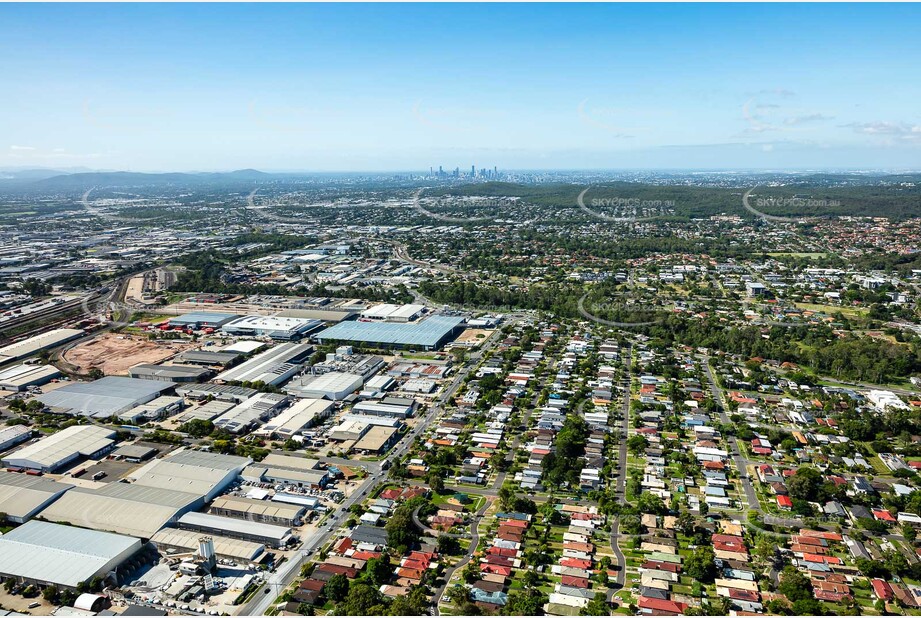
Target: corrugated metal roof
x,y
64,555
427,332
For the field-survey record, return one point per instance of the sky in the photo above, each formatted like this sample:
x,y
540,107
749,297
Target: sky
x,y
403,87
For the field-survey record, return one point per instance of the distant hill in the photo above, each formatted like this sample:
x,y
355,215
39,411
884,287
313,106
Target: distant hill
x,y
135,179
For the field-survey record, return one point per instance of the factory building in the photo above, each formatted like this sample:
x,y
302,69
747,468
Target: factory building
x,y
13,435
105,397
208,358
393,313
198,472
52,554
36,344
303,414
428,334
64,447
397,407
376,440
198,320
123,508
220,392
266,534
152,410
274,366
252,412
20,377
334,386
173,540
278,328
260,511
22,496
170,373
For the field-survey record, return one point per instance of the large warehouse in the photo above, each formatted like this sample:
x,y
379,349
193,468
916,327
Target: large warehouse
x,y
24,495
304,413
123,508
197,472
21,377
46,553
62,448
274,366
267,534
105,397
33,345
428,334
169,373
283,329
202,319
334,386
187,541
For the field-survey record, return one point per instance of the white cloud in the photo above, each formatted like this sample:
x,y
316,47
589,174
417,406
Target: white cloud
x,y
18,148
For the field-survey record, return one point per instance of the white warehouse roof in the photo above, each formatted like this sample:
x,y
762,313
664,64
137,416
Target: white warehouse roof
x,y
62,555
62,447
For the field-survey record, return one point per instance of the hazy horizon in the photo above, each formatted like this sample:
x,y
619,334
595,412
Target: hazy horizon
x,y
357,88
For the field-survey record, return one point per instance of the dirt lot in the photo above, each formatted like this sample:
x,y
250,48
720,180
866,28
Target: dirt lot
x,y
115,354
474,336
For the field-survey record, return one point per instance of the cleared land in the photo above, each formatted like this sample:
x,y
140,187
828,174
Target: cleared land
x,y
115,354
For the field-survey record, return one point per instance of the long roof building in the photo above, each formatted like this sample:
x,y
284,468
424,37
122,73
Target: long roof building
x,y
428,334
104,397
63,447
274,366
65,556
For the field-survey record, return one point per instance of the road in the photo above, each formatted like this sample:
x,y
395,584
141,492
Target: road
x,y
752,503
474,543
621,486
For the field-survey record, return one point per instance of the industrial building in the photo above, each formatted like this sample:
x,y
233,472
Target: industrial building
x,y
252,412
123,508
13,435
266,534
174,540
286,476
105,397
279,328
334,386
428,334
197,320
152,410
393,313
197,472
260,511
52,554
170,373
33,345
344,360
64,447
273,367
22,496
208,358
21,377
221,392
349,431
376,440
303,414
397,407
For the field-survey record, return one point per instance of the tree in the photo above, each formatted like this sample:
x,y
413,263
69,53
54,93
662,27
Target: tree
x,y
363,600
598,606
197,428
637,444
378,570
527,602
794,585
436,482
305,609
448,545
337,588
701,565
402,532
95,373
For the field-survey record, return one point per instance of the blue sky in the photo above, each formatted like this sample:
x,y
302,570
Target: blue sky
x,y
407,86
